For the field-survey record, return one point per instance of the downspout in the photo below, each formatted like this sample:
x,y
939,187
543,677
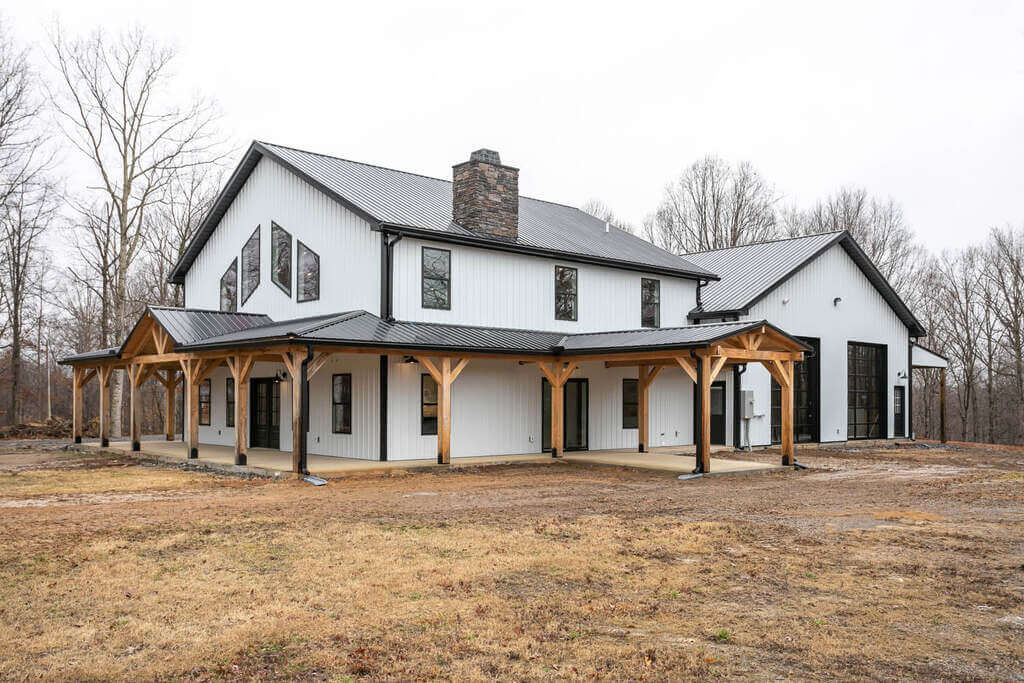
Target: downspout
x,y
737,408
910,388
700,283
304,410
387,274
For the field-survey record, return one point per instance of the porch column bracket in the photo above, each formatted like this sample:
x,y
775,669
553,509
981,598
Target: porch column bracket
x,y
444,377
557,376
104,372
240,365
645,377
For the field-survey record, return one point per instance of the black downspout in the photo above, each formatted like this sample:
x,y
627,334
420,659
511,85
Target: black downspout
x,y
304,410
383,408
737,408
387,274
910,390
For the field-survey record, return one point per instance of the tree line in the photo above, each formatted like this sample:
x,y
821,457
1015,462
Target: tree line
x,y
80,263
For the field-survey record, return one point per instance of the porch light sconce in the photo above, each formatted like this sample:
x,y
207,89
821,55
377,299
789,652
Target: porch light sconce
x,y
785,301
902,374
838,300
281,376
409,360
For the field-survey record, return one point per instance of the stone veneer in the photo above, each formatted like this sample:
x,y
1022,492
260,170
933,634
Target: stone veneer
x,y
485,195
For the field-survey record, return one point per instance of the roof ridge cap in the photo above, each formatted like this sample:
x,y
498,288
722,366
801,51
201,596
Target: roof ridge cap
x,y
757,244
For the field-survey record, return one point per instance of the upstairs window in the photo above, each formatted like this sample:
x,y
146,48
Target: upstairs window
x,y
229,402
229,288
281,258
341,403
251,265
437,279
204,402
565,293
308,282
650,302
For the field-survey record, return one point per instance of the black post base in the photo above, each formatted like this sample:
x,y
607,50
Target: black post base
x,y
136,446
104,442
240,459
642,448
78,439
193,453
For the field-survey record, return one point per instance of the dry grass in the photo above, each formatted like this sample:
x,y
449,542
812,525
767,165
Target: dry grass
x,y
520,573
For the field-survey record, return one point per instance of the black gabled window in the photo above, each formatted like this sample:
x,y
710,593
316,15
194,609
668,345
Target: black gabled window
x,y
565,293
281,257
229,402
204,402
428,405
251,265
630,404
308,281
437,278
341,403
650,302
229,288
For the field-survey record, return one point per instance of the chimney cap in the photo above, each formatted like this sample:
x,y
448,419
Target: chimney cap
x,y
488,156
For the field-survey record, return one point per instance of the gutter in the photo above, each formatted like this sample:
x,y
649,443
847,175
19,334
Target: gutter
x,y
304,410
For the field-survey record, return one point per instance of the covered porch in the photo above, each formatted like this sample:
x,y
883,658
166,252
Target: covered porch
x,y
181,347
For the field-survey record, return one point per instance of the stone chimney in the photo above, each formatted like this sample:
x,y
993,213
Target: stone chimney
x,y
485,195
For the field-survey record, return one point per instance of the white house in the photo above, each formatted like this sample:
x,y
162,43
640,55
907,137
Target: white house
x,y
382,288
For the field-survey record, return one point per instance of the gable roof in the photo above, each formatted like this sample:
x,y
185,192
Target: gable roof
x,y
749,272
421,206
189,325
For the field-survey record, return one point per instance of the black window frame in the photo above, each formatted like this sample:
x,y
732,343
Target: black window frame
x,y
275,229
300,286
573,295
644,302
899,408
345,403
229,401
243,275
232,270
631,421
447,279
880,355
426,430
207,402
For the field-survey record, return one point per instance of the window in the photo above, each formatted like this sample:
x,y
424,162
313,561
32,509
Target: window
x,y
341,403
866,391
650,302
428,405
281,258
204,402
229,402
308,282
229,288
437,279
630,404
251,265
565,293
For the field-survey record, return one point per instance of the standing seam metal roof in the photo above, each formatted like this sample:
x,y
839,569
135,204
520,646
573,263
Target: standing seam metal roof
x,y
189,325
400,199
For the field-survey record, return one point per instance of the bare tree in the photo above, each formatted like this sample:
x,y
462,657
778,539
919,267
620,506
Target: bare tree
x,y
713,205
1005,278
599,209
112,104
877,225
962,296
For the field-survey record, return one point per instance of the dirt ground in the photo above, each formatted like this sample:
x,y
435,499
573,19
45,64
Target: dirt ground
x,y
897,564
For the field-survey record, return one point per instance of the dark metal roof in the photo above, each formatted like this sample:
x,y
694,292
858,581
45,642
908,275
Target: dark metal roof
x,y
97,354
420,205
189,325
359,328
749,272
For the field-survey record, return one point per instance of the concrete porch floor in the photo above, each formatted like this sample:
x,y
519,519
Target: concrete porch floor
x,y
667,459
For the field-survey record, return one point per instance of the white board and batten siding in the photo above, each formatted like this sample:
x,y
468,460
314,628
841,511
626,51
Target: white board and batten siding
x,y
862,315
503,289
349,250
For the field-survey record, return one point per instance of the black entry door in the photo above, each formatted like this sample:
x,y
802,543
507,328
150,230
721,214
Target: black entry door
x,y
899,415
265,413
718,413
577,408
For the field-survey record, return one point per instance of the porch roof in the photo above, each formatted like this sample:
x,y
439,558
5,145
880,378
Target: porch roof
x,y
193,331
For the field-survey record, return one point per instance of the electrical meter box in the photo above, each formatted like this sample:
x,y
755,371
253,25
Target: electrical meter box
x,y
747,402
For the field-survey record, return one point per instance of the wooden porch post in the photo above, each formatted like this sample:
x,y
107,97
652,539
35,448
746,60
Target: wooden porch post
x,y
190,370
942,405
646,375
103,374
704,441
444,377
240,366
787,413
293,361
134,376
170,382
78,373
557,377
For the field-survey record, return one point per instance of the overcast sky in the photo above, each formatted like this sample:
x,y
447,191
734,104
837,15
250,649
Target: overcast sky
x,y
921,102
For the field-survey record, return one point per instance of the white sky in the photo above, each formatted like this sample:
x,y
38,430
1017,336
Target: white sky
x,y
919,101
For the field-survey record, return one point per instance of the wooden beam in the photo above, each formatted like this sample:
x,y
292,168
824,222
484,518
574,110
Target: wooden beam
x,y
77,397
688,367
786,371
704,448
190,369
431,368
161,340
716,367
170,383
643,382
549,373
104,372
134,400
942,405
319,359
457,370
566,372
444,409
240,367
293,361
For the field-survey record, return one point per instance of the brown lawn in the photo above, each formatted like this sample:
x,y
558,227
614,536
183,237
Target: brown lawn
x,y
887,564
